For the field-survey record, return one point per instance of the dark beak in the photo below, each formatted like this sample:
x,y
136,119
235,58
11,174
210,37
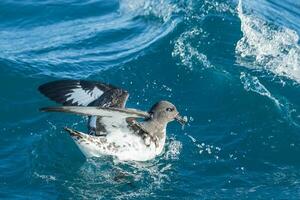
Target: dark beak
x,y
181,120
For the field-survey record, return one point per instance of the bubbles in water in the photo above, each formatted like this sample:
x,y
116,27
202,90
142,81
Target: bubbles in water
x,y
205,148
188,47
53,126
47,178
190,56
173,150
146,176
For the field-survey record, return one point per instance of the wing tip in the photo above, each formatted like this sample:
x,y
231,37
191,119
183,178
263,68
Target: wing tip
x,y
41,88
43,109
50,109
73,133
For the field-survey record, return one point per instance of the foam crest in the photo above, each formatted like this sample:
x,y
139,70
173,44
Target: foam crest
x,y
268,46
163,9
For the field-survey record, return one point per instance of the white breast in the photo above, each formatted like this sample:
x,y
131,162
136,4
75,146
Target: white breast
x,y
119,142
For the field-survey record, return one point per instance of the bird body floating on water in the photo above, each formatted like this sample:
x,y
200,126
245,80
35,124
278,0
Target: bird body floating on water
x,y
125,133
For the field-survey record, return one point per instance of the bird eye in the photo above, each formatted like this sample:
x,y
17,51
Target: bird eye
x,y
169,109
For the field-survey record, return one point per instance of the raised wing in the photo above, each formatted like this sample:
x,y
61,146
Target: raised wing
x,y
111,119
84,93
99,111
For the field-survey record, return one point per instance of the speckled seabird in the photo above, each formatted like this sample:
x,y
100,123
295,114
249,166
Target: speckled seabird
x,y
128,134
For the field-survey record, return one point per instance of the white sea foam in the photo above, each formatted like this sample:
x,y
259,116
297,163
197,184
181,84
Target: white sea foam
x,y
190,56
267,46
163,9
188,47
173,150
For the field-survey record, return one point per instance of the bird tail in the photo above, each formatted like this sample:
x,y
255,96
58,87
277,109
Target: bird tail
x,y
55,109
73,133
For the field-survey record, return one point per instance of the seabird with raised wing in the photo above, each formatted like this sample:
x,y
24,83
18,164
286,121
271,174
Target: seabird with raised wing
x,y
128,134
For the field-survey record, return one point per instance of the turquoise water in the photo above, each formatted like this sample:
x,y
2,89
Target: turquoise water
x,y
232,67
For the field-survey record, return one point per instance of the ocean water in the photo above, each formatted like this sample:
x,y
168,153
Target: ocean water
x,y
232,67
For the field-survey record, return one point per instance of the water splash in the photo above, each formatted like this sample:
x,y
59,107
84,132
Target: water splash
x,y
148,176
251,83
189,47
47,178
190,56
173,150
268,46
205,148
143,177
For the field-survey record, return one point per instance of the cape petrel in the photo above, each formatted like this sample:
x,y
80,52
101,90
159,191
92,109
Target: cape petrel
x,y
125,133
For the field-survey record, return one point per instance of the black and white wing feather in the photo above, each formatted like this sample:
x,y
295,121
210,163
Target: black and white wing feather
x,y
99,111
84,93
111,117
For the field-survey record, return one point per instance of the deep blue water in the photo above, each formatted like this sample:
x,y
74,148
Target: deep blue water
x,y
232,67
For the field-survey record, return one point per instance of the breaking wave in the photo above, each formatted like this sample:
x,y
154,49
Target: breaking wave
x,y
268,46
